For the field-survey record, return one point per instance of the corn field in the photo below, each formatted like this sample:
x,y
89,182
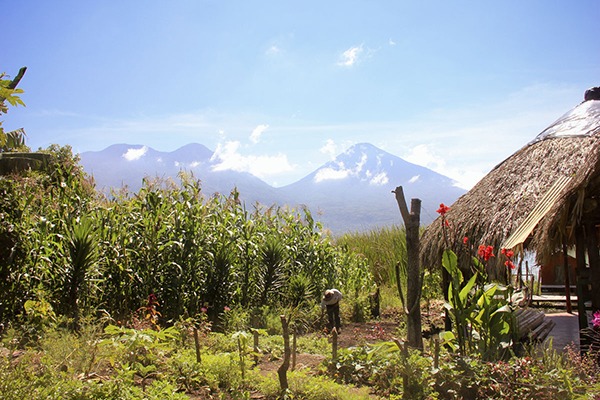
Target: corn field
x,y
82,253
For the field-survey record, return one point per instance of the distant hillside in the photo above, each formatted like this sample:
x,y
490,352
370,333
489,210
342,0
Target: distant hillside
x,y
350,193
127,165
354,191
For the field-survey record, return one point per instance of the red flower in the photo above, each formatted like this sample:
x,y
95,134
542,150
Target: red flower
x,y
508,253
486,252
481,250
510,264
465,240
443,209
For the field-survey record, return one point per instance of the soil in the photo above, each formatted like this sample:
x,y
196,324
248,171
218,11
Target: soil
x,y
364,333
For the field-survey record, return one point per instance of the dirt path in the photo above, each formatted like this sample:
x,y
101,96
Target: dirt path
x,y
353,334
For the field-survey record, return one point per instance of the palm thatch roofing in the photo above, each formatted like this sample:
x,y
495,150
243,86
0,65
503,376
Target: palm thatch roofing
x,y
543,190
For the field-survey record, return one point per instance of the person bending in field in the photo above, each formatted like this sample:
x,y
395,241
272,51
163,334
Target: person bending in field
x,y
331,301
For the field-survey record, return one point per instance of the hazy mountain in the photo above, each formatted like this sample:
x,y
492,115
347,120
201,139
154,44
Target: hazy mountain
x,y
351,193
354,191
127,165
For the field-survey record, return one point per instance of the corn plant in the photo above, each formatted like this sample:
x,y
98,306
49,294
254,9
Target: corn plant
x,y
270,276
82,255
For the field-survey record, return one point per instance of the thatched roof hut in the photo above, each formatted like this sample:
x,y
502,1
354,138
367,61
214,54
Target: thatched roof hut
x,y
539,197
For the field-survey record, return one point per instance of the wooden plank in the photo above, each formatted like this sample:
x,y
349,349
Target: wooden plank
x,y
527,321
541,332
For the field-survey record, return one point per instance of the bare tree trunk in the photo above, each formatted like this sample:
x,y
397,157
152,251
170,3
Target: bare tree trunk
x,y
414,275
282,371
13,84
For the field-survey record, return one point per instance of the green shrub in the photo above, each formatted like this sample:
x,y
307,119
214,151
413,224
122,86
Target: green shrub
x,y
305,386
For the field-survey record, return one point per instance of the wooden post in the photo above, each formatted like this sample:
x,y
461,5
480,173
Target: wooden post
x,y
436,351
294,347
334,345
567,279
256,348
594,264
582,281
282,371
197,344
403,347
405,375
414,275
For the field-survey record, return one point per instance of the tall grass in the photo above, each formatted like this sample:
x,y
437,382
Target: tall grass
x,y
382,247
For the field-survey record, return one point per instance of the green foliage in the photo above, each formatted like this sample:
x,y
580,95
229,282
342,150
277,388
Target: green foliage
x,y
481,315
82,254
125,363
382,248
14,139
305,386
88,253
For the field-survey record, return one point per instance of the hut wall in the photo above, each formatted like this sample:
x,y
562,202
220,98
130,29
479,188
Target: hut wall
x,y
553,272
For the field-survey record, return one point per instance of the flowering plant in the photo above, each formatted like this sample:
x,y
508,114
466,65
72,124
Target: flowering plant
x,y
596,320
479,310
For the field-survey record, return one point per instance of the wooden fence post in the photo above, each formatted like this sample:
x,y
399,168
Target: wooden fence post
x,y
294,346
282,371
334,345
256,349
197,344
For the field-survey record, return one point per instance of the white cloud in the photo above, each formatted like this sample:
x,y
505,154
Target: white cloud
x,y
391,42
135,154
425,156
228,157
333,149
414,179
273,50
361,163
350,57
331,174
329,148
379,179
257,133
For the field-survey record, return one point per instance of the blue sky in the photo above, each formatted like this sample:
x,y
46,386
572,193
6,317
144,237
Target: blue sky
x,y
279,88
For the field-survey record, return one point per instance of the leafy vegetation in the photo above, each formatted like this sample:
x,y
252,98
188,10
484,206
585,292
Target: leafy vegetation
x,y
134,363
157,295
12,140
83,253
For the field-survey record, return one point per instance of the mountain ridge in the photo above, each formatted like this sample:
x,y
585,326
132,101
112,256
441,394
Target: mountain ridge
x,y
349,193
